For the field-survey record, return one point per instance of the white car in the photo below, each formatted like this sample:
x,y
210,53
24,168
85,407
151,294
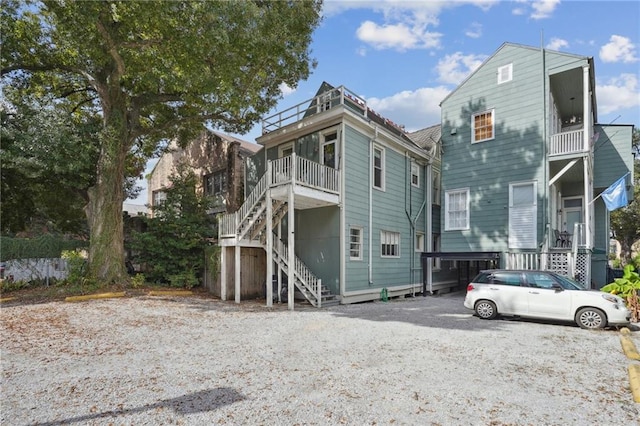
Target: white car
x,y
543,294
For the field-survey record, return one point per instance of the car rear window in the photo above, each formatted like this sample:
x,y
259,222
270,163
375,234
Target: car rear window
x,y
504,278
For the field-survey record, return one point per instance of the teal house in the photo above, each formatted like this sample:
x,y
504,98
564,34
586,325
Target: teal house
x,y
524,161
340,201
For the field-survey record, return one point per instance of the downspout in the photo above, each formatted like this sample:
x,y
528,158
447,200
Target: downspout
x,y
343,231
372,141
429,225
545,195
408,212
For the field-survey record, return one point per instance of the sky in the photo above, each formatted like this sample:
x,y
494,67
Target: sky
x,y
404,57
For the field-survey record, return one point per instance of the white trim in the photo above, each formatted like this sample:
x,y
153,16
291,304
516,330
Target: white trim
x,y
380,148
419,238
492,112
393,239
447,225
505,73
523,218
415,167
284,147
360,243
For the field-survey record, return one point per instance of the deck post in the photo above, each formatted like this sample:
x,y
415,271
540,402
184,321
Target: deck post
x,y
236,270
223,273
291,285
269,248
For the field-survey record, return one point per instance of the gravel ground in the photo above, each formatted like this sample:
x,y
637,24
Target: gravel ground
x,y
200,361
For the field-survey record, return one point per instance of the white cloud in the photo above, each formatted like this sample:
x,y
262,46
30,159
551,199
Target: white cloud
x,y
452,69
399,36
285,89
619,49
557,44
413,109
474,30
618,93
543,8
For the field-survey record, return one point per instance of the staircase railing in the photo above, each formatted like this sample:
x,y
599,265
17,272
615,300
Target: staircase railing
x,y
309,284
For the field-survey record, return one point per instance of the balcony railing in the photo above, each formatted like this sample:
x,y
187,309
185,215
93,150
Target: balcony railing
x,y
567,143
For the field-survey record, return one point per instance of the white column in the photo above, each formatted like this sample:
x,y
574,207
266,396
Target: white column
x,y
429,230
237,272
269,247
223,273
291,287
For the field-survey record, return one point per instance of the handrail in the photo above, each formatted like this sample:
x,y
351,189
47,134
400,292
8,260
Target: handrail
x,y
305,277
567,143
323,102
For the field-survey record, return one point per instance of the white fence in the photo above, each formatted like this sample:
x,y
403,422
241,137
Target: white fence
x,y
35,269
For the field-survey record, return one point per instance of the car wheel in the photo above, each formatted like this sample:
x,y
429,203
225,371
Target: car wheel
x,y
591,318
486,309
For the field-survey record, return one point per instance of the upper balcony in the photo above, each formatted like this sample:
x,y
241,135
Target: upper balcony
x,y
326,101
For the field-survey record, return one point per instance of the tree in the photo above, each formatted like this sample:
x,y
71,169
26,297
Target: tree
x,y
153,71
625,222
45,159
173,243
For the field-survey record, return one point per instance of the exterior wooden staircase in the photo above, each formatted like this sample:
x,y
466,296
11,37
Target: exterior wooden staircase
x,y
248,225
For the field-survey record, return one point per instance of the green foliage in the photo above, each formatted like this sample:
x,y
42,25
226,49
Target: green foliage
x,y
43,246
76,261
172,247
152,74
627,287
138,281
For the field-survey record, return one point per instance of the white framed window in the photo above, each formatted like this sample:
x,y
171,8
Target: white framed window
x,y
415,175
482,126
456,207
285,150
505,73
378,168
419,241
523,215
436,188
355,243
328,147
158,197
389,244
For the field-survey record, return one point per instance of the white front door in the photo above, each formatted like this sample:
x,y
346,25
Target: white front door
x,y
571,213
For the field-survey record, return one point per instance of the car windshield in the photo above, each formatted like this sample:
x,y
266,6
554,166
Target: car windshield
x,y
568,283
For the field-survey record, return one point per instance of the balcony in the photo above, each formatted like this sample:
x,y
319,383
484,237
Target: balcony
x,y
568,143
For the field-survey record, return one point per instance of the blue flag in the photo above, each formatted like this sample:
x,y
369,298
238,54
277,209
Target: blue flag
x,y
615,196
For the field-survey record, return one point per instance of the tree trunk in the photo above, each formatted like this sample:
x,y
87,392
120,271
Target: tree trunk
x,y
104,210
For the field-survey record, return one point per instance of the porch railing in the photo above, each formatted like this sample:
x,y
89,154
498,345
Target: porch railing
x,y
567,143
280,172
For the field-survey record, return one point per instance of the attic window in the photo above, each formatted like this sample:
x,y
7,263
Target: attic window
x,y
505,73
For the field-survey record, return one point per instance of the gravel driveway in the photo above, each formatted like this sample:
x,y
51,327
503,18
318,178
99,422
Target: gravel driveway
x,y
200,361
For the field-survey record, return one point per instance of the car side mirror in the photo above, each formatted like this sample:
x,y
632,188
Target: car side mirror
x,y
557,287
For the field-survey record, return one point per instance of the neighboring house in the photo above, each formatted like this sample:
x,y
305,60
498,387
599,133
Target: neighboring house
x,y
341,201
216,158
524,158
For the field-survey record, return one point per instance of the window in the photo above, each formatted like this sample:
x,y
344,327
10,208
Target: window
x,y
329,149
158,197
436,188
355,243
420,242
415,175
456,205
539,280
523,215
215,183
378,168
325,101
390,244
500,277
482,126
505,73
285,150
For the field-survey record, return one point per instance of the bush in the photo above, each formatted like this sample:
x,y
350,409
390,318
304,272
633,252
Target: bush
x,y
627,287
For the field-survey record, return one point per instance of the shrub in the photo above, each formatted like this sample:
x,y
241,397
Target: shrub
x,y
627,287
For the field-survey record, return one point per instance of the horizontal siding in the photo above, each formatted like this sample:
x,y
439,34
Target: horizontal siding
x,y
390,210
612,154
516,154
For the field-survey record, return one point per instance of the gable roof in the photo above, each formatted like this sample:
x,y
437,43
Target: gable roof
x,y
248,146
520,46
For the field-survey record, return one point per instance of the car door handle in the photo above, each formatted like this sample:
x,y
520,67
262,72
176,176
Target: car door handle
x,y
534,292
494,288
